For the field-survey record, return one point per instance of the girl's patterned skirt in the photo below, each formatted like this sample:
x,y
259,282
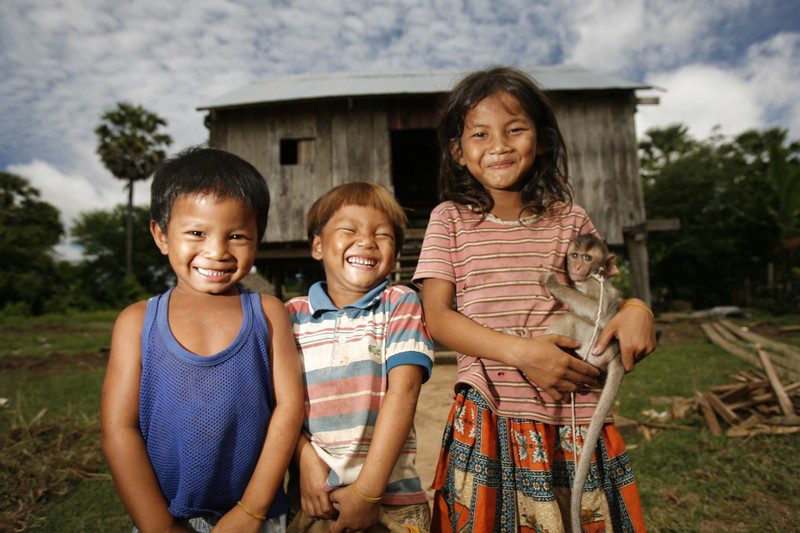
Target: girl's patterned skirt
x,y
514,474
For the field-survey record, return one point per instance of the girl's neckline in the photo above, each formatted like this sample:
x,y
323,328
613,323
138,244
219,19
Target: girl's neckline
x,y
190,357
519,221
524,220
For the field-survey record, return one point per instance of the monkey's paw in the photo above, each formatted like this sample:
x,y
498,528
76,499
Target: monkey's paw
x,y
548,279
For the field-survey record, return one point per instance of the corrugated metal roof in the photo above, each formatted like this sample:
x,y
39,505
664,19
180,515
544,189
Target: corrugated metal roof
x,y
337,85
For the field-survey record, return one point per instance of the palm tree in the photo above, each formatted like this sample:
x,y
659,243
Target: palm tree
x,y
131,146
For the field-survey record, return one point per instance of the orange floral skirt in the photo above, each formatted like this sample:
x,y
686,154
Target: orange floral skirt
x,y
514,474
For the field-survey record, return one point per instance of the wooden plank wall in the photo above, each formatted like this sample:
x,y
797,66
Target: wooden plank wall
x,y
351,143
599,131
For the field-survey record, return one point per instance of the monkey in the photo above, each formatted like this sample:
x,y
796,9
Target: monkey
x,y
588,262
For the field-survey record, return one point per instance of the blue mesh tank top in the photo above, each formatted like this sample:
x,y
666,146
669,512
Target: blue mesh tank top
x,y
204,419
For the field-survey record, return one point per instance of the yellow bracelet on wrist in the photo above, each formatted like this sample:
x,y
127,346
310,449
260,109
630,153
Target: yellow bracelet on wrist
x,y
370,499
633,303
251,512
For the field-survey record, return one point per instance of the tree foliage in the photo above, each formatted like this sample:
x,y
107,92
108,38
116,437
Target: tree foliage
x,y
734,197
101,233
131,145
29,229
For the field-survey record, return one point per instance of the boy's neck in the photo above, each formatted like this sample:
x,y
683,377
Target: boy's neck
x,y
341,297
202,297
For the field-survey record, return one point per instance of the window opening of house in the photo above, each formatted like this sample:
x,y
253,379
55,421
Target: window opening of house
x,y
297,151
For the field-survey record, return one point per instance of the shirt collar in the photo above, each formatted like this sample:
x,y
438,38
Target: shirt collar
x,y
320,302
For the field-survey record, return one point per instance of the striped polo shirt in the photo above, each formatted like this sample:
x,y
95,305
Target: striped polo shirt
x,y
495,266
347,355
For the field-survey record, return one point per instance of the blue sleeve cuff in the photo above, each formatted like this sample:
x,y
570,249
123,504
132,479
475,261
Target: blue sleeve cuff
x,y
411,358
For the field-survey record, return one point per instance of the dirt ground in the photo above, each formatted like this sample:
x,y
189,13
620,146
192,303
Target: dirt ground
x,y
432,410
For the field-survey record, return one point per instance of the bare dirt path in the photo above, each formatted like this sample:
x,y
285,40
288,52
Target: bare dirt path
x,y
432,410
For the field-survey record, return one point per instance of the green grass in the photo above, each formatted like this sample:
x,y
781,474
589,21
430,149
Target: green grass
x,y
53,477
52,474
65,335
693,481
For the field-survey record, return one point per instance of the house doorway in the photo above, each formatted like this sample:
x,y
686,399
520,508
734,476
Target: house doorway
x,y
415,164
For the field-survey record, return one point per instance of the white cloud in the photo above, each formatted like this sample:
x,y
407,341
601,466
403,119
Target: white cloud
x,y
623,35
702,97
764,91
64,63
74,194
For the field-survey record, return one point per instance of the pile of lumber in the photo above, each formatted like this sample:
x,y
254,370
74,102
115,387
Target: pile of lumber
x,y
743,343
754,403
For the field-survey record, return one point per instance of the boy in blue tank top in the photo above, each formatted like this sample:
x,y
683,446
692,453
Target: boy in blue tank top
x,y
195,431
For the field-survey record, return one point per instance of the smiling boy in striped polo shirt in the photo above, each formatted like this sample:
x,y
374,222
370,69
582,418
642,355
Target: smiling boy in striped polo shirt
x,y
365,353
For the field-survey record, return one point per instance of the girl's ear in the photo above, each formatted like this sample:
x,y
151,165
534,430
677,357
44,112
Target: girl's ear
x,y
316,248
159,237
456,152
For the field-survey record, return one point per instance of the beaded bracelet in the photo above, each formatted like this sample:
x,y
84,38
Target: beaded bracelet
x,y
633,303
251,512
370,499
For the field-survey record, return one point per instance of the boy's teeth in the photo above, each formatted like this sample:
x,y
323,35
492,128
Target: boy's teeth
x,y
361,261
208,272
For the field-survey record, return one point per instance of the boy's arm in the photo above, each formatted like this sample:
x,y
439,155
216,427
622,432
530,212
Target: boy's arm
x,y
388,439
284,425
314,493
123,445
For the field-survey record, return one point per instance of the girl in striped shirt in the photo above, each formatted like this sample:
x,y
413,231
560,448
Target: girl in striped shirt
x,y
506,461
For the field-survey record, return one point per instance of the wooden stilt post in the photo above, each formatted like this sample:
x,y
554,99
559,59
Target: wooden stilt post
x,y
636,245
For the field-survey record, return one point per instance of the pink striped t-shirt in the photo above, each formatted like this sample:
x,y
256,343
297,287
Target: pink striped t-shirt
x,y
495,266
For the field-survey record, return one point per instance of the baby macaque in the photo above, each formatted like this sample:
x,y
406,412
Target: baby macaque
x,y
588,261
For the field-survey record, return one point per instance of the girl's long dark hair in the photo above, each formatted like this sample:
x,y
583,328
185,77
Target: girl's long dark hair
x,y
546,182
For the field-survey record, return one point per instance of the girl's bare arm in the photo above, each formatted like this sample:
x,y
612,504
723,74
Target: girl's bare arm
x,y
284,425
123,445
539,358
634,328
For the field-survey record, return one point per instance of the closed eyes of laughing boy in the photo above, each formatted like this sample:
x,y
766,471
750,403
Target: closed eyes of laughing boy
x,y
357,250
356,246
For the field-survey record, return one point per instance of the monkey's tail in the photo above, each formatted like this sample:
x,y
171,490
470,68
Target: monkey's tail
x,y
614,374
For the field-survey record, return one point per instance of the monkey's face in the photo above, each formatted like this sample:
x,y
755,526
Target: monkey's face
x,y
583,262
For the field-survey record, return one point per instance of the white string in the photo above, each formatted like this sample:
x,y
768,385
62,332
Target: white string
x,y
595,332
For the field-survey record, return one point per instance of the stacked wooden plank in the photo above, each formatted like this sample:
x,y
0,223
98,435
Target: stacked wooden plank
x,y
743,343
753,403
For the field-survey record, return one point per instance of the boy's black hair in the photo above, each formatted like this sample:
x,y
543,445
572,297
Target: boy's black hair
x,y
547,180
208,170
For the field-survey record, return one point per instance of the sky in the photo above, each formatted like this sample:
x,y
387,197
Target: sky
x,y
728,64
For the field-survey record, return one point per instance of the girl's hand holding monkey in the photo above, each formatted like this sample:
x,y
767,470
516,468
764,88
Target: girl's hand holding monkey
x,y
544,363
633,327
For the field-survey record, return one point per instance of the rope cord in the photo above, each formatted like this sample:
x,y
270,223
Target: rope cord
x,y
595,333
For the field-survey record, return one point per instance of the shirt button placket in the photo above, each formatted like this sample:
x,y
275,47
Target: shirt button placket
x,y
336,339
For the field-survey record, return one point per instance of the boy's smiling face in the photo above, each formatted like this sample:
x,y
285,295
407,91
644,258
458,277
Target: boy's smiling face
x,y
357,249
211,243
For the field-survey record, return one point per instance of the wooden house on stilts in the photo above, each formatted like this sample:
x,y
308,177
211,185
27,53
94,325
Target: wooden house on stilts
x,y
306,134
